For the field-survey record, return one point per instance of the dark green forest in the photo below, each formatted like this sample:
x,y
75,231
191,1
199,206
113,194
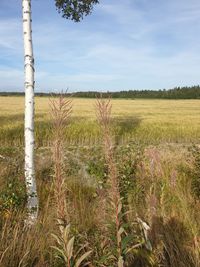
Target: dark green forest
x,y
192,92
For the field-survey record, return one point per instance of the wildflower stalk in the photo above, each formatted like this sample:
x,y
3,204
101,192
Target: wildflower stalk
x,y
61,109
104,115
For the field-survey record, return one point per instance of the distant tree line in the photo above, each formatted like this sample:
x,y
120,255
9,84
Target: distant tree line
x,y
192,92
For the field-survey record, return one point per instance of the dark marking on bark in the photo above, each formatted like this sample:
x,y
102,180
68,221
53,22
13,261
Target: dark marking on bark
x,y
29,129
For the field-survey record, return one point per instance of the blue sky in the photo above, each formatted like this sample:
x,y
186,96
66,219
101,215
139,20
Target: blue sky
x,y
124,44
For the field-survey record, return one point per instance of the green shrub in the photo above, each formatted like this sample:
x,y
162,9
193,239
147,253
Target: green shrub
x,y
13,196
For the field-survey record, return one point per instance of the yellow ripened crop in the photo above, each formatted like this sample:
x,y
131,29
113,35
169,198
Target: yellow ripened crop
x,y
140,119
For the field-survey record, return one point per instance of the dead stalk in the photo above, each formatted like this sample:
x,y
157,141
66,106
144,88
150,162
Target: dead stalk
x,y
103,108
61,109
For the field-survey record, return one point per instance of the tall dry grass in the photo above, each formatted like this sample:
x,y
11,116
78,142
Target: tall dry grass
x,y
83,186
169,207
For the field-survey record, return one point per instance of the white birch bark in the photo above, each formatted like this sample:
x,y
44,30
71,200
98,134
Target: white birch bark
x,y
32,202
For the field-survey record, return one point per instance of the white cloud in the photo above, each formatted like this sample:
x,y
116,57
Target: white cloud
x,y
128,44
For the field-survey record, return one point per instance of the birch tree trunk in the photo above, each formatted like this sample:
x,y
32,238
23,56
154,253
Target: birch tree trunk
x,y
32,202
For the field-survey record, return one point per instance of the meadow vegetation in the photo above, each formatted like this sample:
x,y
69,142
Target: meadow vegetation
x,y
118,185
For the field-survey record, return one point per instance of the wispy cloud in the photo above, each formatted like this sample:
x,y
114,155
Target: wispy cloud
x,y
123,45
11,34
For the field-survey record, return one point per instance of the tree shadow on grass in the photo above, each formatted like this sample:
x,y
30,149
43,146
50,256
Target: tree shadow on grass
x,y
6,120
77,128
124,126
171,241
175,239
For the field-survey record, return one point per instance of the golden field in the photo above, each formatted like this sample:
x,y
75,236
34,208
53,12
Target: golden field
x,y
151,121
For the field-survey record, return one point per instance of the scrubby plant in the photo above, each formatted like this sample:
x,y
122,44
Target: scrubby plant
x,y
12,189
73,256
13,196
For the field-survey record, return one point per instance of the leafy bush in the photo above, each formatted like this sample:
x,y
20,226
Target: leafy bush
x,y
13,196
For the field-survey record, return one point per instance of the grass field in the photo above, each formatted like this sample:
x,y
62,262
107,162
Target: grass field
x,y
149,159
150,121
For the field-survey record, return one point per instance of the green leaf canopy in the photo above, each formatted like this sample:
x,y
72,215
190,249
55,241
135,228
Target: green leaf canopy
x,y
75,9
